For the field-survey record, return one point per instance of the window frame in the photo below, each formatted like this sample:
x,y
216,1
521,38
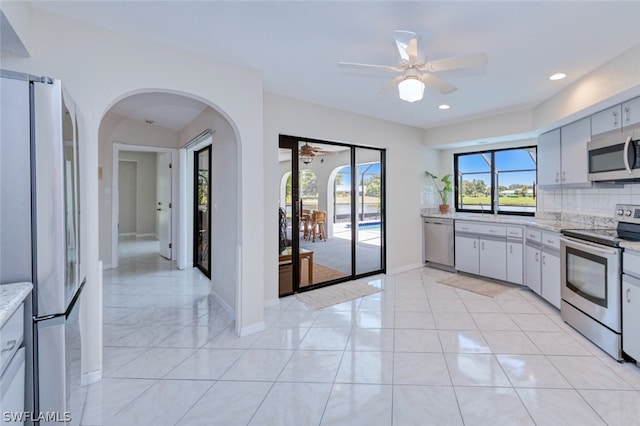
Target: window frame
x,y
493,185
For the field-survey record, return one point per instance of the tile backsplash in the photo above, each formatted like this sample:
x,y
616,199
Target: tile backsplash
x,y
598,201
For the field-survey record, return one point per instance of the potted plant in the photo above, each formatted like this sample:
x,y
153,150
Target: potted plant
x,y
444,191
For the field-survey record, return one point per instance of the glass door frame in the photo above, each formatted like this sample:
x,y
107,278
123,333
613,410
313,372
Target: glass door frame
x,y
292,143
196,221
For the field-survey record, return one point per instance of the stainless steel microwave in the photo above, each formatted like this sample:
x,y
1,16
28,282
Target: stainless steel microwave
x,y
615,157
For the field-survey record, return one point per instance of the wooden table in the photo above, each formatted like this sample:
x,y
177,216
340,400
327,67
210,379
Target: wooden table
x,y
286,256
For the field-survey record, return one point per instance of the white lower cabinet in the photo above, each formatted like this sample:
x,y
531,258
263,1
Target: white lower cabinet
x,y
542,264
515,255
493,258
631,317
532,271
550,268
12,367
481,249
631,304
467,254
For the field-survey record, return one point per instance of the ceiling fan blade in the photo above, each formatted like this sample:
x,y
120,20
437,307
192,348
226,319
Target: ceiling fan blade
x,y
437,83
467,61
369,66
407,43
392,84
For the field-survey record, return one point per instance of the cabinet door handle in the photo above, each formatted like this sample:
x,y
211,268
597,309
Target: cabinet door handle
x,y
628,295
615,118
537,257
557,176
544,259
627,114
511,249
483,245
564,176
474,245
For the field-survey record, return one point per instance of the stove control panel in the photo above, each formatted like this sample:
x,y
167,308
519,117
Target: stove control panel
x,y
627,213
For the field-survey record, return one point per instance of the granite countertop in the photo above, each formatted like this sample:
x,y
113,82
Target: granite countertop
x,y
11,296
630,245
545,224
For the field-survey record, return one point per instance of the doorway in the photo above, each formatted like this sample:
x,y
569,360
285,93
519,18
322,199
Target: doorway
x,y
142,207
202,210
331,213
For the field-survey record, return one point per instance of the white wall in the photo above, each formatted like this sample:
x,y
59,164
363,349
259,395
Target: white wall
x,y
116,128
145,209
128,185
224,201
407,160
100,67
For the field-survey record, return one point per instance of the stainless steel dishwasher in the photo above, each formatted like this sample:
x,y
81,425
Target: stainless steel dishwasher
x,y
438,242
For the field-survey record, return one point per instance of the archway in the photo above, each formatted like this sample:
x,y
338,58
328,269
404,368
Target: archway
x,y
165,121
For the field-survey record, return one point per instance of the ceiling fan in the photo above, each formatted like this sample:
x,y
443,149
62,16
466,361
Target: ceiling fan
x,y
418,73
307,152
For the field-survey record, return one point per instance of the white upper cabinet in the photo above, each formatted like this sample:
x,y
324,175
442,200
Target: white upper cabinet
x,y
562,155
549,158
631,113
574,157
606,121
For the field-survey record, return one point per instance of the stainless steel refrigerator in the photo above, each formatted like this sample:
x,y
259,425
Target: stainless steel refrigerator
x,y
39,228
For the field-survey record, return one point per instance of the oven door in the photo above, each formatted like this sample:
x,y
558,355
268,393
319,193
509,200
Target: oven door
x,y
590,277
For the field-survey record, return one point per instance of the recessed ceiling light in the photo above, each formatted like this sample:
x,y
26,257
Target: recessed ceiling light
x,y
444,106
558,76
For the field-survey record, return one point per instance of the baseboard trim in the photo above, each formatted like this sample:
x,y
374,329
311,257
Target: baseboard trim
x,y
404,268
91,377
230,311
252,329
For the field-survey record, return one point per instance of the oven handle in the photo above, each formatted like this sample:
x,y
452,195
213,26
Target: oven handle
x,y
626,154
586,245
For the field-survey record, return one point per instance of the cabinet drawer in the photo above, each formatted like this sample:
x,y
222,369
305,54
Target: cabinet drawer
x,y
514,232
11,336
12,383
480,228
534,235
631,263
551,240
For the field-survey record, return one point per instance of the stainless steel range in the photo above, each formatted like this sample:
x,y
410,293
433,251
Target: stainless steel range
x,y
591,276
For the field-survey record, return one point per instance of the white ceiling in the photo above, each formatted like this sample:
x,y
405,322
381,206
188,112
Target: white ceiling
x,y
297,44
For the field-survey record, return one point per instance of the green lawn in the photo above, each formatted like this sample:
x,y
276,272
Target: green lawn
x,y
504,201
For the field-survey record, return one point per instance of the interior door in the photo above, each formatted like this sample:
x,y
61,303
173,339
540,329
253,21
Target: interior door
x,y
202,210
163,197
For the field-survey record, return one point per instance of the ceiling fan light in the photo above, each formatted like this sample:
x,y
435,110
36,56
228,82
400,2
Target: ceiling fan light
x,y
306,159
411,89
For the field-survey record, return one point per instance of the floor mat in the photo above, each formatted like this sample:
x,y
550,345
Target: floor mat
x,y
338,293
475,285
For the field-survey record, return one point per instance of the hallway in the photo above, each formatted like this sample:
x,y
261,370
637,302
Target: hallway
x,y
417,353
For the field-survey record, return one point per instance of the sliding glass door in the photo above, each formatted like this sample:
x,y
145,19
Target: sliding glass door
x,y
202,210
369,253
331,213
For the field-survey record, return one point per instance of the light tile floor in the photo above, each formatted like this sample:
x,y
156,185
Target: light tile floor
x,y
417,353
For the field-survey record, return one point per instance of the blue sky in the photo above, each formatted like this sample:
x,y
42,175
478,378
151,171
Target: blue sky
x,y
505,160
372,169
